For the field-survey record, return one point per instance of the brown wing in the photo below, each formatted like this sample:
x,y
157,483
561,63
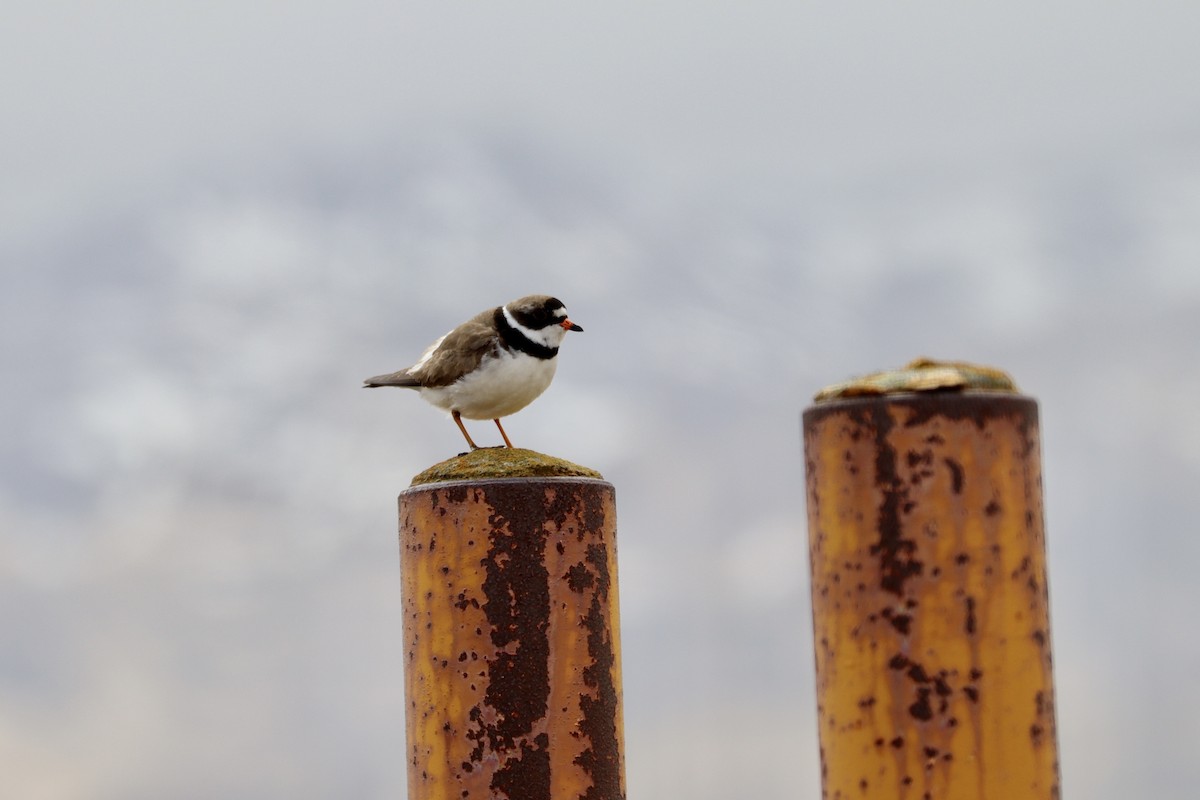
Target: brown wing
x,y
459,352
448,359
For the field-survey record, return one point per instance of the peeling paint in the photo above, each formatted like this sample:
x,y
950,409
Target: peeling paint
x,y
930,658
513,659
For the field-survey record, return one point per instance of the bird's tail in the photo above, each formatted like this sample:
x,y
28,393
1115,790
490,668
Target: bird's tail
x,y
401,378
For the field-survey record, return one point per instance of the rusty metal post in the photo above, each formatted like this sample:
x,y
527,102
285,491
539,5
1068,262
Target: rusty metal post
x,y
512,647
930,606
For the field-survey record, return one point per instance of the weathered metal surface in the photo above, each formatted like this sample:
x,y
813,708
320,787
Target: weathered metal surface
x,y
922,375
930,605
512,670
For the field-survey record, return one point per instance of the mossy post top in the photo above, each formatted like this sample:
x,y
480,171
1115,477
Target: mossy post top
x,y
492,463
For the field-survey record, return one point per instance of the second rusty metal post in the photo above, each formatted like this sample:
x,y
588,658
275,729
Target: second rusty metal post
x,y
512,645
929,594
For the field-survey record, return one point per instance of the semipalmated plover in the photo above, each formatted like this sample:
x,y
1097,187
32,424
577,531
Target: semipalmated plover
x,y
492,365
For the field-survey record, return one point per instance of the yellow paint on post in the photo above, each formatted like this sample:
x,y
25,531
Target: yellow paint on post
x,y
512,662
930,606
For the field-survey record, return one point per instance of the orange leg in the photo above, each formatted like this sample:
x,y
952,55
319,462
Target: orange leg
x,y
502,433
463,428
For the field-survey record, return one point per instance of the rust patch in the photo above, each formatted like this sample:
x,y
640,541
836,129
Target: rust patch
x,y
579,578
517,606
602,760
507,614
957,474
1036,734
897,554
529,775
901,622
921,709
916,508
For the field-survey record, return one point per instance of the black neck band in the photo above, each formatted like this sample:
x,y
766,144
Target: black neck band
x,y
515,340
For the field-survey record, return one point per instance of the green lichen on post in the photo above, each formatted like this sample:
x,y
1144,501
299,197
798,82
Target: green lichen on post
x,y
501,462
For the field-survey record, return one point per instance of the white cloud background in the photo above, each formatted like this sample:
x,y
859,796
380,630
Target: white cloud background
x,y
216,218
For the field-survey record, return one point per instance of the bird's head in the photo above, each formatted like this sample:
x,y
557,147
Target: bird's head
x,y
542,318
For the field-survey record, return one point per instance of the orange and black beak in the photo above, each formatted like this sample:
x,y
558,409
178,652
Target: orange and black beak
x,y
570,326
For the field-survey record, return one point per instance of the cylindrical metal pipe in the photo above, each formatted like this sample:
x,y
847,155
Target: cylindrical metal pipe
x,y
512,645
930,605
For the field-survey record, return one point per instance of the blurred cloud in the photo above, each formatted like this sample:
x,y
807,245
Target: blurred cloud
x,y
217,219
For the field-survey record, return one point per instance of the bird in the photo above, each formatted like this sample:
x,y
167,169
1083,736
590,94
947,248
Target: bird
x,y
492,365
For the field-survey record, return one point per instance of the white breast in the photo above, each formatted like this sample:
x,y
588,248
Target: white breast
x,y
498,387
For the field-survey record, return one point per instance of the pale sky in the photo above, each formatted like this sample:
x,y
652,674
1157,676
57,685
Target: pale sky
x,y
217,218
